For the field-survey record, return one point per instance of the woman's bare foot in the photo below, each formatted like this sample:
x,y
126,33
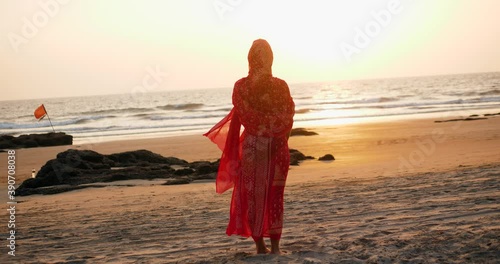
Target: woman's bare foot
x,y
275,247
261,246
264,250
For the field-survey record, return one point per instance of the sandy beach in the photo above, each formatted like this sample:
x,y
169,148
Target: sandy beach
x,y
411,191
393,108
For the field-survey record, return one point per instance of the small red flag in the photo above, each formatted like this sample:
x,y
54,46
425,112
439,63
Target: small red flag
x,y
40,112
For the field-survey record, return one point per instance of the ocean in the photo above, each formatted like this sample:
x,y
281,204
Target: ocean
x,y
93,119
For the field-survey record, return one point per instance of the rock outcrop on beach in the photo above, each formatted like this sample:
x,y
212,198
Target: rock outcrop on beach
x,y
327,157
297,156
76,169
494,114
302,132
461,119
35,140
470,118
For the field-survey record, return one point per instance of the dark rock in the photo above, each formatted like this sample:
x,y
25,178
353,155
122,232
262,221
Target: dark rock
x,y
184,172
133,157
84,159
6,145
30,144
116,177
161,167
35,140
296,156
209,176
204,167
461,119
86,155
53,139
76,167
54,172
475,118
215,163
302,132
30,183
449,120
327,157
7,137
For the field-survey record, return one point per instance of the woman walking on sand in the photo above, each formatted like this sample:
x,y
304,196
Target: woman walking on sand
x,y
256,162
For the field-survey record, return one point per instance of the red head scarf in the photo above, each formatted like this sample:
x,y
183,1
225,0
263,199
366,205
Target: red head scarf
x,y
260,58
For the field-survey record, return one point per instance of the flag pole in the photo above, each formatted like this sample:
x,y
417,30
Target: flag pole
x,y
49,118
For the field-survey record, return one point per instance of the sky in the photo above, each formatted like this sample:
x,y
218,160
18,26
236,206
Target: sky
x,y
62,48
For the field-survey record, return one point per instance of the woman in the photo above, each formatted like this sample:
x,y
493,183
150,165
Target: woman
x,y
256,163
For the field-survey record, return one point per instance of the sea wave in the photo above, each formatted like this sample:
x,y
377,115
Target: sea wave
x,y
494,91
302,110
163,117
364,101
90,129
388,114
491,92
141,115
108,129
89,138
419,104
302,97
25,116
114,111
40,124
208,109
489,99
224,109
188,106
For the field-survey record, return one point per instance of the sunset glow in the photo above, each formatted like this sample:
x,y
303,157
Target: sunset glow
x,y
104,47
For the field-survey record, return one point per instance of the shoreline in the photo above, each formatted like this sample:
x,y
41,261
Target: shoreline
x,y
491,112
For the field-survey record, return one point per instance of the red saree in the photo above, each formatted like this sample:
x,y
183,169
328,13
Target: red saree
x,y
256,162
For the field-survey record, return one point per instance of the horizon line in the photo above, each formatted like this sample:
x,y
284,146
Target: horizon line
x,y
227,87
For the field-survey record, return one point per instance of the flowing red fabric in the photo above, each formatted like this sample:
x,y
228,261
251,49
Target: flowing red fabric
x,y
226,135
256,162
